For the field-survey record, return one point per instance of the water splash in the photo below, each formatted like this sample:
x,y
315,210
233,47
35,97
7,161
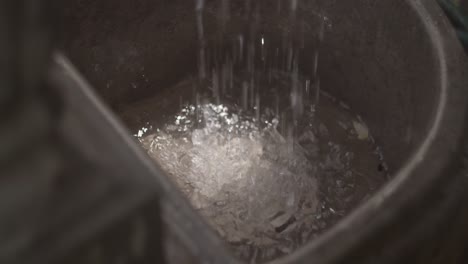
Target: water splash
x,y
229,158
253,129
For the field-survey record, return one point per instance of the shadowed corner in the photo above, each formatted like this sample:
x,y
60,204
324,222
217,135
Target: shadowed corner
x,y
457,12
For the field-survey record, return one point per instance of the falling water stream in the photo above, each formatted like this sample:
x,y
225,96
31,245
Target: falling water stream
x,y
261,151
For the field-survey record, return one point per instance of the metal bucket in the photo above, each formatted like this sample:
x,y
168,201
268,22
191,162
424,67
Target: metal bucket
x,y
396,63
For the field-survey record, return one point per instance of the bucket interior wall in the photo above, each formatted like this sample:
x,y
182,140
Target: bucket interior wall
x,y
376,56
